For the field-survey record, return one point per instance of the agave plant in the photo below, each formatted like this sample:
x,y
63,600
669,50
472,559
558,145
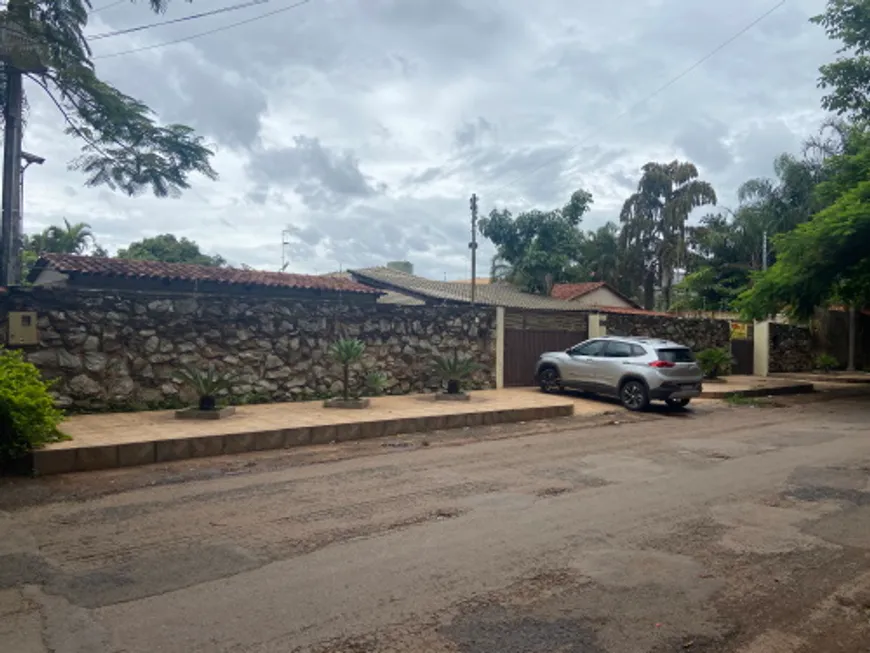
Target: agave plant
x,y
376,381
454,370
346,352
206,383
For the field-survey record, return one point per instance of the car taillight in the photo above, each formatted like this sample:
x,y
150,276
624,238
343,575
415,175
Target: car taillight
x,y
662,364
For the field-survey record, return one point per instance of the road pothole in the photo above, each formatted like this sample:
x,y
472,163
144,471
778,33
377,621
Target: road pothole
x,y
552,491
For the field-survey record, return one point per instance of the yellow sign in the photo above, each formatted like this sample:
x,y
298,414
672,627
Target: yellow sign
x,y
739,331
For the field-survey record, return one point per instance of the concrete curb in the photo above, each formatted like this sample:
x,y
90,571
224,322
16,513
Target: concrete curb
x,y
79,459
792,389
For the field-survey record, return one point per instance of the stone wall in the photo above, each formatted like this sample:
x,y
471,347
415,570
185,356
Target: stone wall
x,y
791,348
696,333
113,349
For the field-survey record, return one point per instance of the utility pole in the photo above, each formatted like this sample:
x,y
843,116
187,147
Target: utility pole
x,y
18,229
285,234
853,327
473,246
20,53
764,251
10,268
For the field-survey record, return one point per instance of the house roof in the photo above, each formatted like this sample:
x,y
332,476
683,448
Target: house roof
x,y
480,281
387,296
571,291
130,269
493,294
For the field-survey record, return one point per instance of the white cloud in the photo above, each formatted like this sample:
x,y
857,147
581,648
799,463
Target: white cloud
x,y
366,124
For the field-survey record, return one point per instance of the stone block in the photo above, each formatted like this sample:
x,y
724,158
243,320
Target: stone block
x,y
348,432
269,440
100,457
373,429
323,434
208,445
239,443
391,427
53,461
136,453
297,437
474,419
168,450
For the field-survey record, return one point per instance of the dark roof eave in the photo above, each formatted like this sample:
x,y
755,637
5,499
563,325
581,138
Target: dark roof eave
x,y
43,264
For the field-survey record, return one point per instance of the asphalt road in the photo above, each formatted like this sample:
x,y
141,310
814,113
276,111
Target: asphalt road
x,y
728,528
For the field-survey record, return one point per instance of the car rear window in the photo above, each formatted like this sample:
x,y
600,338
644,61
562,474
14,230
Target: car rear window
x,y
676,355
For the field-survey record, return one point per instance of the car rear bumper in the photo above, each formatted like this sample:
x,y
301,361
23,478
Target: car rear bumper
x,y
676,391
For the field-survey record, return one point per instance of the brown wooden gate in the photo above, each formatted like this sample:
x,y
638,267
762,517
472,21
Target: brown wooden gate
x,y
522,348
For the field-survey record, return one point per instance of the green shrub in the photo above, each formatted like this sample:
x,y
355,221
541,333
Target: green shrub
x,y
346,352
207,384
375,383
826,363
454,370
28,417
714,362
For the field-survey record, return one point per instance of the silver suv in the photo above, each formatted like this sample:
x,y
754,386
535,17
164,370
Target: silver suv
x,y
636,370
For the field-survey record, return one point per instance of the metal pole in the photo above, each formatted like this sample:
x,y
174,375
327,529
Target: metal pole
x,y
764,251
10,268
850,365
473,247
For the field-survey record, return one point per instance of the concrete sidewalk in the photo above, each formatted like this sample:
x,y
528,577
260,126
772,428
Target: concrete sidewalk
x,y
754,386
825,377
129,439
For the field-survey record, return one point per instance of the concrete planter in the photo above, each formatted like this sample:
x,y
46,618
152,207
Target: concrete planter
x,y
349,404
196,413
456,396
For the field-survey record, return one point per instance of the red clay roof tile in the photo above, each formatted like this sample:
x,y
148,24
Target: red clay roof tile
x,y
569,291
131,269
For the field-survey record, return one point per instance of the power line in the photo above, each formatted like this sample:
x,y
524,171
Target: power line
x,y
207,33
656,92
108,6
183,19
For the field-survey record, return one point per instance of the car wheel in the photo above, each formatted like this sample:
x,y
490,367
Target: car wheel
x,y
677,403
549,380
634,395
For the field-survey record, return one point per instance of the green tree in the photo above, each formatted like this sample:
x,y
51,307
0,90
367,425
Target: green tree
x,y
536,249
653,236
600,254
825,259
782,204
169,249
67,239
124,147
847,80
723,251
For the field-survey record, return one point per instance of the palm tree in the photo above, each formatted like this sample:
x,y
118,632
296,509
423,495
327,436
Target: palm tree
x,y
68,239
654,224
601,254
781,204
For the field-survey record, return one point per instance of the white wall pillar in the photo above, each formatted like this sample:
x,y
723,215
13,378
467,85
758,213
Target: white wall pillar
x,y
761,348
499,347
597,325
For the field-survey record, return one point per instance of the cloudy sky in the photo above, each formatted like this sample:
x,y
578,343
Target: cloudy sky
x,y
363,126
